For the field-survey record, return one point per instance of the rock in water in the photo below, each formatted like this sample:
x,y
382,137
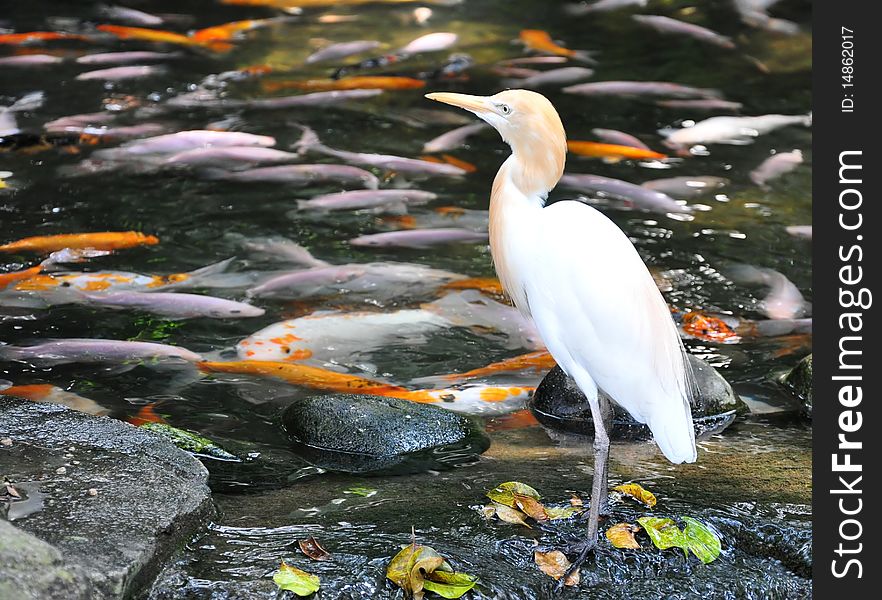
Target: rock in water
x,y
799,381
559,404
357,434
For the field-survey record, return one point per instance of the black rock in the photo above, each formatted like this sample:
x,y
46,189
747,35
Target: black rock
x,y
799,381
358,434
559,404
148,499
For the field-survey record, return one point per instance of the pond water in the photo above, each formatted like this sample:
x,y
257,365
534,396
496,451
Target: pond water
x,y
276,498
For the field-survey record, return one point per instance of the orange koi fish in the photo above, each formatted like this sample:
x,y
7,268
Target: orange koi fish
x,y
363,82
487,285
43,392
227,31
538,361
38,36
521,419
160,36
146,414
705,327
107,240
7,278
451,160
613,151
540,41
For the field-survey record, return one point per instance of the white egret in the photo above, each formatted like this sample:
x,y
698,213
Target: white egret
x,y
577,274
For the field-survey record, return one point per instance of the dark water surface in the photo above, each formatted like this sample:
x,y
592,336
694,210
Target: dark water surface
x,y
760,466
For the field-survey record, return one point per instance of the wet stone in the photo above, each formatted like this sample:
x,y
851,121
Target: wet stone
x,y
560,405
150,498
358,434
799,382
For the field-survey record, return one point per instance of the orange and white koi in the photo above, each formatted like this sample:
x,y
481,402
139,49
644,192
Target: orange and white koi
x,y
161,36
612,151
358,82
708,328
228,31
540,41
15,276
535,361
472,399
43,392
105,240
31,37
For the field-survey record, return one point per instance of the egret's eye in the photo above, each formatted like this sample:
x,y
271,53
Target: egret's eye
x,y
505,109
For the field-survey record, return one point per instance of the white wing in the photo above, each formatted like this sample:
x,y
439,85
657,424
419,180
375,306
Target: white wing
x,y
601,314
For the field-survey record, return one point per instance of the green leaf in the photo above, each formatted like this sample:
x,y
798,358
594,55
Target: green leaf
x,y
564,512
297,581
189,441
504,493
701,540
664,533
449,585
366,492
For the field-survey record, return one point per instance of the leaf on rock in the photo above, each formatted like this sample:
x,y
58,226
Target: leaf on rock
x,y
701,540
564,512
416,568
311,548
297,581
190,442
664,533
555,564
504,493
621,535
531,507
636,491
449,585
510,515
358,490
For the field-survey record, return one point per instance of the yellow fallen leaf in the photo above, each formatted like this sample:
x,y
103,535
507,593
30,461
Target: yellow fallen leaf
x,y
555,564
621,535
576,501
531,507
636,491
510,515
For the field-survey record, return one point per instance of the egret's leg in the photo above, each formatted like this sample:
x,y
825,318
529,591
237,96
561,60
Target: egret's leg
x,y
599,491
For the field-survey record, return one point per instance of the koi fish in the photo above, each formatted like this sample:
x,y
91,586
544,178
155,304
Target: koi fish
x,y
668,25
32,37
471,399
451,160
66,351
540,41
534,361
107,240
783,301
420,238
710,104
122,73
640,88
442,216
612,151
30,60
358,82
601,6
161,36
521,419
145,414
43,392
130,15
800,231
431,42
640,197
486,285
611,136
686,187
453,139
562,76
171,305
385,200
298,175
341,50
730,130
230,157
8,278
708,328
776,165
228,31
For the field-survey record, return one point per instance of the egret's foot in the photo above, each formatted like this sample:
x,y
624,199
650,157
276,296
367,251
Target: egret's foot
x,y
580,550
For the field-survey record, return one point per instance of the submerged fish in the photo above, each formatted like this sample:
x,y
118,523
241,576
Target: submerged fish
x,y
299,175
43,392
27,103
6,279
31,37
65,351
642,198
230,157
131,16
228,31
453,139
181,141
612,151
674,26
173,305
540,41
106,240
730,130
277,248
640,88
562,76
431,42
539,361
366,199
800,231
687,186
160,36
702,104
78,123
420,238
30,60
708,328
381,281
612,136
120,58
341,50
442,216
582,8
357,82
121,73
776,165
783,300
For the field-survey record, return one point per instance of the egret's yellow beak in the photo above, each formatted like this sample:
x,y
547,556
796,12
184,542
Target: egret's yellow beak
x,y
475,104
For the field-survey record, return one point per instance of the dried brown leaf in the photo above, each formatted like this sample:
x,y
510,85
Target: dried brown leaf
x,y
555,564
531,507
510,515
311,548
621,535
